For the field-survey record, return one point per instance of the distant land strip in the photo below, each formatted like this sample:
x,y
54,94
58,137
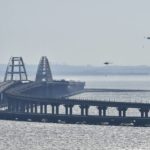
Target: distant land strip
x,y
113,90
59,69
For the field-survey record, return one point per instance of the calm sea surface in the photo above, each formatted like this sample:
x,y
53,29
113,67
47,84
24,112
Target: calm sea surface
x,y
48,136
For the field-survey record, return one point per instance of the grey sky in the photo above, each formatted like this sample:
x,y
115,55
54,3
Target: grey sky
x,y
77,32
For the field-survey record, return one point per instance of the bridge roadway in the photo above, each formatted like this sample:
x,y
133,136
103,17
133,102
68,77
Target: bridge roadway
x,y
24,87
87,90
5,85
88,102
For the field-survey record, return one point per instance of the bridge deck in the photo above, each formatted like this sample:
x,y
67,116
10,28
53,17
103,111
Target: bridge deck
x,y
5,85
64,101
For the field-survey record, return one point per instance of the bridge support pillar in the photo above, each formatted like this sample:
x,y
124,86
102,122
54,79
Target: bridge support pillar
x,y
16,106
9,107
99,110
22,107
1,97
27,108
144,112
84,110
55,109
122,111
45,108
13,107
31,105
70,106
68,109
102,110
41,108
35,105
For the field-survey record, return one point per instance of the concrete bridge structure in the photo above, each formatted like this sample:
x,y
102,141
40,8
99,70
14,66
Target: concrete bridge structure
x,y
37,109
30,104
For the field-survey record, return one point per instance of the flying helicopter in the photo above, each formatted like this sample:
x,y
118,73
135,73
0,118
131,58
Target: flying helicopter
x,y
107,63
148,37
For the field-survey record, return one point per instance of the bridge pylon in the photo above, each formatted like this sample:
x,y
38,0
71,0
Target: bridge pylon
x,y
16,70
43,71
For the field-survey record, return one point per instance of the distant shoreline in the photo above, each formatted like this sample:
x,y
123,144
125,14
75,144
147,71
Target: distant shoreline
x,y
88,70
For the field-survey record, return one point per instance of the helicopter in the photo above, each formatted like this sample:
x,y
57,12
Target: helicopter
x,y
148,37
107,63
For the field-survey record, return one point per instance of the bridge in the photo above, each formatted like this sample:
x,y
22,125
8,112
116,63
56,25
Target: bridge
x,y
48,109
44,98
101,105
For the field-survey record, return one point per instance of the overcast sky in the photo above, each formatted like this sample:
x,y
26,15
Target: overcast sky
x,y
77,32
